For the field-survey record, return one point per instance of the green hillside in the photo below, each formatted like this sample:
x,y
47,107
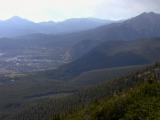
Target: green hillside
x,y
98,76
74,105
20,91
142,102
101,64
116,54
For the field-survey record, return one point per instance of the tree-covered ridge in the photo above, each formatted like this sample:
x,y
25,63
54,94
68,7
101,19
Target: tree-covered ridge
x,y
39,87
111,54
56,108
142,102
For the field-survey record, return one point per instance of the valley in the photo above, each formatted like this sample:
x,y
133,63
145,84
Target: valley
x,y
29,60
39,51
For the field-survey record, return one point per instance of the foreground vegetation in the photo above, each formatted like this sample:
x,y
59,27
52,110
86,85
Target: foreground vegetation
x,y
23,91
75,105
142,102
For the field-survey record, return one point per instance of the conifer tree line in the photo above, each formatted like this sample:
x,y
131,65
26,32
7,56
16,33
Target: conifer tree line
x,y
60,109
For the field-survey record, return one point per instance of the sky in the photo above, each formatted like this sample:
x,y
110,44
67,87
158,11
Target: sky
x,y
59,10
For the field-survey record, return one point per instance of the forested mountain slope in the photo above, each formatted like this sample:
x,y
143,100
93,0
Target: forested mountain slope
x,y
140,102
141,26
105,101
20,91
117,53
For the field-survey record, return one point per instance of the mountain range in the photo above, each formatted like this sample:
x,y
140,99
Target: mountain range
x,y
142,26
42,51
16,26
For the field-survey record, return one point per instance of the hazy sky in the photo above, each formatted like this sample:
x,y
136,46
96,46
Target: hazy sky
x,y
57,10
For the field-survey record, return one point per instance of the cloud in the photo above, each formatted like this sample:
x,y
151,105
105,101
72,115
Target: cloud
x,y
39,10
117,9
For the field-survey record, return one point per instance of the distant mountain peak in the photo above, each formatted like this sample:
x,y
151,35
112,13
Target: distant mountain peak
x,y
149,13
17,19
90,19
145,17
146,14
